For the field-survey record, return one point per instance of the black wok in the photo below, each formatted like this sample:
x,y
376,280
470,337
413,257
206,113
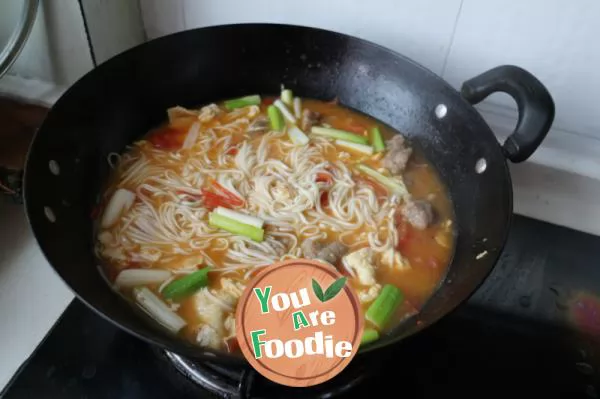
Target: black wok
x,y
121,99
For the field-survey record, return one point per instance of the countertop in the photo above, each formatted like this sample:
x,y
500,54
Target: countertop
x,y
32,296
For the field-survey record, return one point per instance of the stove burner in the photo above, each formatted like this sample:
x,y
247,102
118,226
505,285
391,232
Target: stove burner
x,y
245,382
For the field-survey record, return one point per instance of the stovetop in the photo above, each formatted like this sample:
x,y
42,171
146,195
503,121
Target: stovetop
x,y
532,329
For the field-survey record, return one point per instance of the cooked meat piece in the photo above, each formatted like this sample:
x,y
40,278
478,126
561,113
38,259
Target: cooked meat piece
x,y
369,294
394,259
311,248
332,253
259,125
209,337
309,119
397,155
361,264
418,213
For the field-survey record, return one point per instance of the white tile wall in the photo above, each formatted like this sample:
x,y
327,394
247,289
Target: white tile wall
x,y
420,29
554,39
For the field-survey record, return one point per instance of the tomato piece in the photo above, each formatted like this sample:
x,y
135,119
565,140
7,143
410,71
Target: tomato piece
x,y
268,101
232,344
324,199
404,236
232,151
228,195
324,178
354,128
167,138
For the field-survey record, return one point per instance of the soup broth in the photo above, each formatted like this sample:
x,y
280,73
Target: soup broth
x,y
302,179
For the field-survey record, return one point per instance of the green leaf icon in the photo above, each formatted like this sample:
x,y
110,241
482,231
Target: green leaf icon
x,y
318,290
334,289
331,292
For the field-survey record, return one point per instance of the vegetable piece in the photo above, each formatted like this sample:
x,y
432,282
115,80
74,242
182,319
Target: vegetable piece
x,y
377,139
391,184
276,118
137,277
339,134
361,148
369,335
240,217
242,102
297,136
231,196
158,310
222,197
285,111
298,107
235,227
323,177
191,137
382,309
287,97
119,203
168,138
212,200
187,285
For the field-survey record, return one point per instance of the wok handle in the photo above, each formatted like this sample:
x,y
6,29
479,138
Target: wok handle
x,y
535,105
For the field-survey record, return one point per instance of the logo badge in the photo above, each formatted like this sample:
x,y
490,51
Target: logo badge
x,y
299,323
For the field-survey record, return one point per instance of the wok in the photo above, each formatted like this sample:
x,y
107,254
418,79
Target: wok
x,y
121,99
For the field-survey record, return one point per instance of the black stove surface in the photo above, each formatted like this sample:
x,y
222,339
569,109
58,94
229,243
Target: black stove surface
x,y
533,329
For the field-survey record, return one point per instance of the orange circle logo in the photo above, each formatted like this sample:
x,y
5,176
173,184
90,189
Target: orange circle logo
x,y
299,323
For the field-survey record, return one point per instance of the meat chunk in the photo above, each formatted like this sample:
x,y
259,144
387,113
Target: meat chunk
x,y
419,213
369,294
397,155
360,263
310,248
332,253
209,311
394,259
309,119
208,113
208,337
259,125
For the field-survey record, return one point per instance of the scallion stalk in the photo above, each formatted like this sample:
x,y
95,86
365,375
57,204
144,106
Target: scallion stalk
x,y
284,111
287,97
240,217
369,335
235,227
362,148
275,117
137,277
158,310
297,136
298,107
393,185
377,139
339,134
187,285
384,306
242,102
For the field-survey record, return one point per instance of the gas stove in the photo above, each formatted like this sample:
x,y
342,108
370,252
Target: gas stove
x,y
532,329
